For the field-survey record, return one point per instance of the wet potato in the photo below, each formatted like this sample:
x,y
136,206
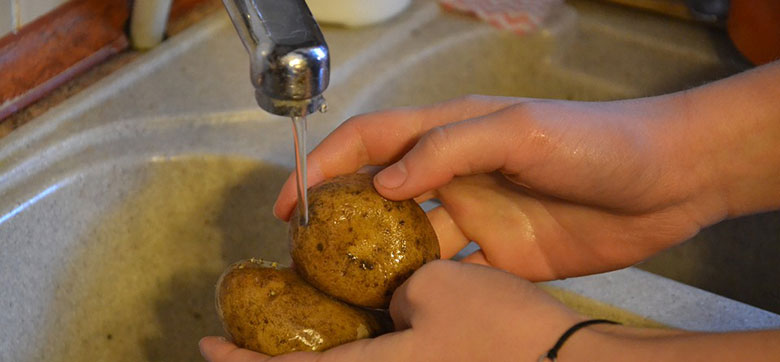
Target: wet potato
x,y
273,311
358,246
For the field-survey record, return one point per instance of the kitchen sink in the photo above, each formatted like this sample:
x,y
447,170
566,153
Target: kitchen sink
x,y
120,207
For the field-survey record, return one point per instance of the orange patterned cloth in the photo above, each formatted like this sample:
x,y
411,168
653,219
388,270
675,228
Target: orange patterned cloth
x,y
517,16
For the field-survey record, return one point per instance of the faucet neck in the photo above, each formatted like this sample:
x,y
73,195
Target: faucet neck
x,y
289,58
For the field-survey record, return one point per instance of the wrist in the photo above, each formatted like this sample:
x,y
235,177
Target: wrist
x,y
614,342
620,343
593,343
683,149
734,129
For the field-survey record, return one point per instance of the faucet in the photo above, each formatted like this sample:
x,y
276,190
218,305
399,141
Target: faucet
x,y
289,59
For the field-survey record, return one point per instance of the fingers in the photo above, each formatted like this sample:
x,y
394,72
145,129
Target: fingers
x,y
388,347
401,308
288,195
398,346
418,295
426,196
218,349
379,138
477,145
451,238
477,257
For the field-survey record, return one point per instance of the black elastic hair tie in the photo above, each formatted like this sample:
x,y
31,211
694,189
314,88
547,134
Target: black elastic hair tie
x,y
552,354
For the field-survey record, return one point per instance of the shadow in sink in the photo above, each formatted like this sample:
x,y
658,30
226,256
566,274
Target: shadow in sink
x,y
490,63
246,221
185,310
587,51
185,313
143,289
734,258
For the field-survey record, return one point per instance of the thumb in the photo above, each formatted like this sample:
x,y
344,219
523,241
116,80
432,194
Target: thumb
x,y
218,349
477,145
385,348
392,347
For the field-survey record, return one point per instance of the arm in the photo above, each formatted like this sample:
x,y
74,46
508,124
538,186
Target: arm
x,y
735,127
614,343
552,189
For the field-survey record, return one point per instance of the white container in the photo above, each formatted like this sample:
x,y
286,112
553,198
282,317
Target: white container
x,y
354,13
147,23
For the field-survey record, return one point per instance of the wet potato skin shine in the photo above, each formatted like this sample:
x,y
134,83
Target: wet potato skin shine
x,y
358,246
272,310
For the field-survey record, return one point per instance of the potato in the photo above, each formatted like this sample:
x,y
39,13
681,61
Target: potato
x,y
273,311
358,246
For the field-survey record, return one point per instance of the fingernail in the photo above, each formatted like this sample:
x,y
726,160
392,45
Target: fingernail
x,y
276,207
202,348
393,176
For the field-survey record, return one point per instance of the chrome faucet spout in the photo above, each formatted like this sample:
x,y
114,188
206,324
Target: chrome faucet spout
x,y
289,59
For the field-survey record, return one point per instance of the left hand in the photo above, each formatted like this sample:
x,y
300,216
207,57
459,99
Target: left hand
x,y
447,311
548,189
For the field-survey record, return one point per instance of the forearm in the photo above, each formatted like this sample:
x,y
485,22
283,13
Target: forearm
x,y
734,127
618,343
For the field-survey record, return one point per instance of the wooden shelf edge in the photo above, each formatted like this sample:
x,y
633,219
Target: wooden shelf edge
x,y
46,86
65,43
56,47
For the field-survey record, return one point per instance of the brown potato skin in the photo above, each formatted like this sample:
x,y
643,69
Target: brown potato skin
x,y
358,246
273,311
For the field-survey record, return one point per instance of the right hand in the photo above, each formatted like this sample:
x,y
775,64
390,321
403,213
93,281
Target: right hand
x,y
548,189
448,311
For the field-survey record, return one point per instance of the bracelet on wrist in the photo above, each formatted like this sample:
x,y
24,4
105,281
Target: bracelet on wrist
x,y
552,354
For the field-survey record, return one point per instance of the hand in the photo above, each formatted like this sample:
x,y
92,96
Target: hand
x,y
447,311
548,189
452,311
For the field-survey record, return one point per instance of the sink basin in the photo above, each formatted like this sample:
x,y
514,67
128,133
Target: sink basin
x,y
120,207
